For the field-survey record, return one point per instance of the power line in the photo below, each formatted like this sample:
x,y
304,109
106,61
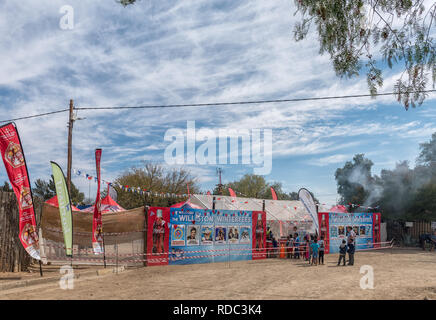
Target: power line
x,y
216,104
249,102
35,116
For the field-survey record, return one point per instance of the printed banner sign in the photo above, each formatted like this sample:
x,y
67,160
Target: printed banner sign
x,y
363,224
97,225
203,236
15,164
189,236
259,235
306,198
158,223
64,207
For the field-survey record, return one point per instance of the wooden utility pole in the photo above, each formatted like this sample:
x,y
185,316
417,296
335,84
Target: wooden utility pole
x,y
70,143
220,185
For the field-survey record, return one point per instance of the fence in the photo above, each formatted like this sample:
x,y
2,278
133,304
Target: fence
x,y
124,238
13,257
407,236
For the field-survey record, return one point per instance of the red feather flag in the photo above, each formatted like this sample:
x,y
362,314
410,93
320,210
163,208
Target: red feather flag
x,y
273,193
232,193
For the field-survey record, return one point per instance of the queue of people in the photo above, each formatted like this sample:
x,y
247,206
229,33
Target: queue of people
x,y
310,248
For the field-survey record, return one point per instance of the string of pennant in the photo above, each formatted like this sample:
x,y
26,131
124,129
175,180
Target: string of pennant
x,y
137,190
363,207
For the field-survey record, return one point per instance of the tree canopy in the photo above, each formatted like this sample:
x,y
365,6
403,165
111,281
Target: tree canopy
x,y
47,189
6,187
359,35
156,178
255,186
402,192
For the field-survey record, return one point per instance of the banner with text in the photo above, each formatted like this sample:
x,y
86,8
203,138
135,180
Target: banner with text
x,y
158,223
97,225
64,207
15,164
341,224
203,236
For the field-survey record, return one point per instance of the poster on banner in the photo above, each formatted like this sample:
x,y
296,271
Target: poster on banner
x,y
158,238
16,168
97,224
193,235
178,235
220,235
259,235
233,234
341,225
207,231
206,235
245,235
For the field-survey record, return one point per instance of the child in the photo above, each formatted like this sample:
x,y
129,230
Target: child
x,y
314,247
290,246
308,254
321,250
296,246
303,248
342,252
309,248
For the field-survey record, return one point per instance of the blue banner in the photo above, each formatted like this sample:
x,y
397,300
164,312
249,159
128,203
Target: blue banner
x,y
340,225
204,236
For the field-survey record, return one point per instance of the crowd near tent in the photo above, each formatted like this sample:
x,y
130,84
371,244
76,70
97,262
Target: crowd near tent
x,y
282,215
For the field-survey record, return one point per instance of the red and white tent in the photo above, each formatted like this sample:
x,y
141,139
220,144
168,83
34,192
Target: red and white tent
x,y
338,209
186,203
107,205
54,202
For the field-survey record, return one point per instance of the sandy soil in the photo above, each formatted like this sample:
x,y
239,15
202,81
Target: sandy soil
x,y
398,274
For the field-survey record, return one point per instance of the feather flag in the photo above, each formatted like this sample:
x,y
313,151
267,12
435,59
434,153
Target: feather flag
x,y
273,193
232,193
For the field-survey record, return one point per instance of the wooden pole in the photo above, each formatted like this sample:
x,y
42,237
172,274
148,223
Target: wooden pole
x,y
145,234
70,142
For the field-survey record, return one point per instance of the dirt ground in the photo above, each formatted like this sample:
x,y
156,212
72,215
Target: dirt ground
x,y
398,274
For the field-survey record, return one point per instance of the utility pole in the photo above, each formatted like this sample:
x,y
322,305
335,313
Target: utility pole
x,y
219,171
70,143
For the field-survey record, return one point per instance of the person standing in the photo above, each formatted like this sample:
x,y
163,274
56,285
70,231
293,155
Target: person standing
x,y
314,248
297,246
321,250
351,249
342,252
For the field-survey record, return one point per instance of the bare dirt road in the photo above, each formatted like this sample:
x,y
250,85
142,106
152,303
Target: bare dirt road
x,y
398,274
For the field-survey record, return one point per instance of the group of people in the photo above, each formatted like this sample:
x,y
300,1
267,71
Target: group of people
x,y
311,248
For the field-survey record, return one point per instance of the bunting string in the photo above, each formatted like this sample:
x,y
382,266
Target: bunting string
x,y
136,190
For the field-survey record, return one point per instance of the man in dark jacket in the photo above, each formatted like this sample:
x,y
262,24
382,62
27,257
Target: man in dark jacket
x,y
351,249
342,252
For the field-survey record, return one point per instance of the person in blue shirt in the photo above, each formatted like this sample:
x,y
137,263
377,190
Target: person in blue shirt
x,y
297,246
314,248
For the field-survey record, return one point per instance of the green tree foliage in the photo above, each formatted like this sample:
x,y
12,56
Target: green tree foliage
x,y
47,189
255,186
125,3
6,187
357,33
401,193
158,179
354,180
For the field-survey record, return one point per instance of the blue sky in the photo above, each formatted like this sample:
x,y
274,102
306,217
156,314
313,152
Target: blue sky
x,y
191,52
